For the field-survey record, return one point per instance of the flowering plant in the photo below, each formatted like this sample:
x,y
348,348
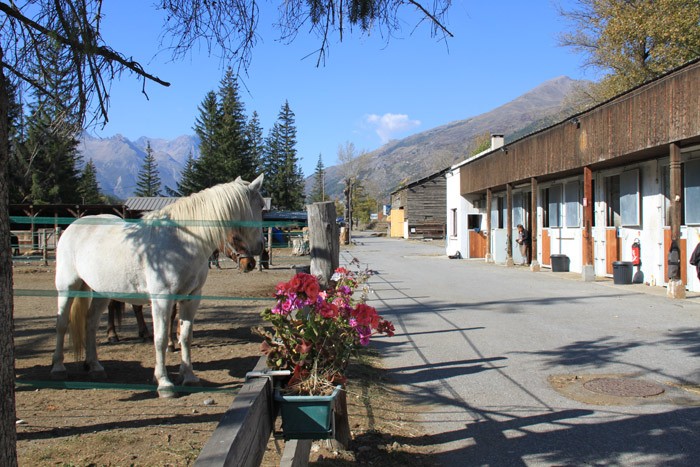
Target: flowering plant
x,y
315,332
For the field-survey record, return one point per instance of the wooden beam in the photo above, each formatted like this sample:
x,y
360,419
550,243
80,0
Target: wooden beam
x,y
509,224
242,435
489,199
296,453
587,216
675,192
533,219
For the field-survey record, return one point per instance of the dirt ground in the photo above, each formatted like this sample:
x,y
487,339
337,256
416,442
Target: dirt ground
x,y
121,421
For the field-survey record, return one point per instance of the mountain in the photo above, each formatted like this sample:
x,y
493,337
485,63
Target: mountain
x,y
119,160
417,156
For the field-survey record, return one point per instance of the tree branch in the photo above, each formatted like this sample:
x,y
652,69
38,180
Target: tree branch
x,y
82,47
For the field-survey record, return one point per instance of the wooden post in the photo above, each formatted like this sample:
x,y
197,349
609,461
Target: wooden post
x,y
324,240
675,192
675,287
587,216
534,264
342,420
489,199
509,225
588,268
269,246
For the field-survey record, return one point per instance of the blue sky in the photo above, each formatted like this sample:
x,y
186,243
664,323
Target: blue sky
x,y
368,92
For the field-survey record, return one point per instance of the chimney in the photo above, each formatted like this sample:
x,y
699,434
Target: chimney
x,y
497,141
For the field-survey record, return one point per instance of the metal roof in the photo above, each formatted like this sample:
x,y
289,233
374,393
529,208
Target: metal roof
x,y
148,203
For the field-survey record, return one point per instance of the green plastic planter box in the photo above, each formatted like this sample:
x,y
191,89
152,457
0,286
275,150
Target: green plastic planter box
x,y
307,417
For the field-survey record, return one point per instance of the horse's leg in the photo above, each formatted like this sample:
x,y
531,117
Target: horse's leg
x,y
114,310
58,370
143,329
188,308
97,307
173,331
160,312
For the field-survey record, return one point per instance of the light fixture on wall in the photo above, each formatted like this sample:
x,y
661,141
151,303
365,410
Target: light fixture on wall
x,y
575,121
504,149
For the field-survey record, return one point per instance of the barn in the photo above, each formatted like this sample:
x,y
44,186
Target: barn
x,y
418,209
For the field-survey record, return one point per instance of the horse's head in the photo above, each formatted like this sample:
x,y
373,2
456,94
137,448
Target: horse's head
x,y
248,240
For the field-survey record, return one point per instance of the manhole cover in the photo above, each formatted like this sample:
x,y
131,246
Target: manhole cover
x,y
623,387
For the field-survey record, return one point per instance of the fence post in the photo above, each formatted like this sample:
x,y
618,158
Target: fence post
x,y
324,240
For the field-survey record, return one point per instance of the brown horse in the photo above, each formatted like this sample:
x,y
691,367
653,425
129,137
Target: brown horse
x,y
116,311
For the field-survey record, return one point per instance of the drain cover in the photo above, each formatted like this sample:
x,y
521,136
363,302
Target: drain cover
x,y
623,387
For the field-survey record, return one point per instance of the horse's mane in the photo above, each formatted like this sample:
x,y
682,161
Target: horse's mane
x,y
209,213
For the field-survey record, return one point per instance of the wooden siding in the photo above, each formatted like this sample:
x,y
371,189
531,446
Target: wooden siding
x,y
426,202
424,206
639,124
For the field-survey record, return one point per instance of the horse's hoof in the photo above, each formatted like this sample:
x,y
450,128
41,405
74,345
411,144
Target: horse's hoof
x,y
167,392
112,340
171,348
60,375
192,383
98,375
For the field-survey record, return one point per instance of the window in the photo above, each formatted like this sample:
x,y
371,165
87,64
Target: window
x,y
501,212
454,222
572,204
518,209
612,200
692,192
553,200
494,213
629,198
474,222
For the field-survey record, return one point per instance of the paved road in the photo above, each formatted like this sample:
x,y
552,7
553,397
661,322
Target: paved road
x,y
477,343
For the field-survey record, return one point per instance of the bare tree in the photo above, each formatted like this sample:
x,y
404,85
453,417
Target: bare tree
x,y
29,28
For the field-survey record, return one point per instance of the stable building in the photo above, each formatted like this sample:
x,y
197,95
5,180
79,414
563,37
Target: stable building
x,y
614,185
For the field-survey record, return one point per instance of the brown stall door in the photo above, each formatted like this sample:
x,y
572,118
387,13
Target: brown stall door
x,y
546,249
612,249
477,244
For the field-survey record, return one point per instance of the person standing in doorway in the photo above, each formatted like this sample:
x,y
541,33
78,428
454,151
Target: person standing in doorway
x,y
524,241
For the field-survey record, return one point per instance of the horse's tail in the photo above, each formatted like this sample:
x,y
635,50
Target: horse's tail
x,y
77,324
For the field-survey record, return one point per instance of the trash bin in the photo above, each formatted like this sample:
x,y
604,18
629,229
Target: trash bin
x,y
560,263
622,272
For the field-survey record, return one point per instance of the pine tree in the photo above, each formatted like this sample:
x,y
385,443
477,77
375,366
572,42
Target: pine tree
x,y
19,174
187,184
283,176
208,167
88,188
234,149
51,147
256,143
318,191
148,183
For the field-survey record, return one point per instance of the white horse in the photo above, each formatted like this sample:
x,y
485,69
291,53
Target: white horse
x,y
161,259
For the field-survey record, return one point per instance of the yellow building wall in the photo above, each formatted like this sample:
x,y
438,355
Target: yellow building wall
x,y
396,223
